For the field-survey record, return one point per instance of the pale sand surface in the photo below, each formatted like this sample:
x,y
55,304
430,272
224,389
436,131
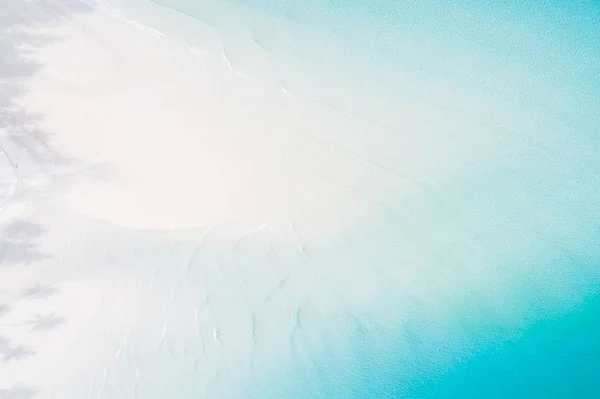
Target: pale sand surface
x,y
116,130
169,131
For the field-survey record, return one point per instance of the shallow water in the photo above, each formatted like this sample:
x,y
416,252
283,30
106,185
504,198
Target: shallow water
x,y
482,280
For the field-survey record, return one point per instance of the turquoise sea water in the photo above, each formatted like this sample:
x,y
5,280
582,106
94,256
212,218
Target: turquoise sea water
x,y
501,253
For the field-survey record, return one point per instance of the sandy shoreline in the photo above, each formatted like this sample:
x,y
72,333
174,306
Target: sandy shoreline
x,y
176,223
126,130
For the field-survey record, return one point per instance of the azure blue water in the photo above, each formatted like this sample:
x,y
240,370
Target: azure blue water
x,y
488,274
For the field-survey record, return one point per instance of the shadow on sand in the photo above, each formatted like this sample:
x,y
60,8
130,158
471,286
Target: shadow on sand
x,y
20,243
20,39
12,350
20,240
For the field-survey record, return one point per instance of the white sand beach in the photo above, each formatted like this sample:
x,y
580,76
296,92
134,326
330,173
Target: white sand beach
x,y
178,220
115,134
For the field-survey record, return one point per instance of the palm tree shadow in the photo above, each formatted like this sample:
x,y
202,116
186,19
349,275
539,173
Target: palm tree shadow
x,y
20,243
40,291
13,353
47,322
4,309
19,41
18,391
21,240
10,352
4,344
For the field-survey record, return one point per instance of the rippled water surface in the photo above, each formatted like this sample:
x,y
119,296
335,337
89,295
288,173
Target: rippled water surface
x,y
482,281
